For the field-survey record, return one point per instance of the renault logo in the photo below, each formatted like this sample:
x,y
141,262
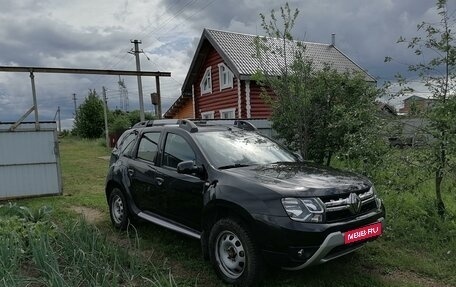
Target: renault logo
x,y
354,203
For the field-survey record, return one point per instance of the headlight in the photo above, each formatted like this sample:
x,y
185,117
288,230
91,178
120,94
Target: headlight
x,y
304,209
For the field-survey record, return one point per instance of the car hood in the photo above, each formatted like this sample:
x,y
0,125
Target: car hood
x,y
301,179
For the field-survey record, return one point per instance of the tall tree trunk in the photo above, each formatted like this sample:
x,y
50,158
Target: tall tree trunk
x,y
328,159
439,175
438,194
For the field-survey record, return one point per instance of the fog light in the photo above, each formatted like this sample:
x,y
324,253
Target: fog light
x,y
302,253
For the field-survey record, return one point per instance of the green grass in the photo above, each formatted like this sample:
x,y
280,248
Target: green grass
x,y
417,248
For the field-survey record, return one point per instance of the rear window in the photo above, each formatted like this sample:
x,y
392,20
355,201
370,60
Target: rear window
x,y
126,143
148,146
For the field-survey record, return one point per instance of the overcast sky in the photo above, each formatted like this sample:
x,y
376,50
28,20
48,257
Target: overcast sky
x,y
96,34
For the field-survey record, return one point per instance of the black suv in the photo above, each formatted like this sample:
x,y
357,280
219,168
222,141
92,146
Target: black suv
x,y
245,197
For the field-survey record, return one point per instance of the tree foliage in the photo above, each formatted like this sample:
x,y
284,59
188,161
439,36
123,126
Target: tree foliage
x,y
89,120
319,112
435,49
119,121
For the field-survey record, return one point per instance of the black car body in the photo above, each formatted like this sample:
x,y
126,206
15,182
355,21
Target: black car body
x,y
259,204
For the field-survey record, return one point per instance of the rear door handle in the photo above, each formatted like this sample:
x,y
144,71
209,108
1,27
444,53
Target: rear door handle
x,y
131,172
159,181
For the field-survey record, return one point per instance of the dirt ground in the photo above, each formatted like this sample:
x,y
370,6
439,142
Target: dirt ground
x,y
92,215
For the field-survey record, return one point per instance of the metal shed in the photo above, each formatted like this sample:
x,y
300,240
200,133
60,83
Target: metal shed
x,y
29,160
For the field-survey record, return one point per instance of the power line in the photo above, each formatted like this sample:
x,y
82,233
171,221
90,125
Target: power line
x,y
141,35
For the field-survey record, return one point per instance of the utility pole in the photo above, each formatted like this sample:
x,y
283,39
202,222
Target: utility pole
x,y
138,68
35,105
57,114
60,122
159,104
74,100
154,99
105,110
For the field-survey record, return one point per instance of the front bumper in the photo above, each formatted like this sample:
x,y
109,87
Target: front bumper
x,y
293,246
323,254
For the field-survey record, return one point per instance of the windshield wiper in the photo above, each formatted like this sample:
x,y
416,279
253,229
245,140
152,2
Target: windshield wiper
x,y
233,166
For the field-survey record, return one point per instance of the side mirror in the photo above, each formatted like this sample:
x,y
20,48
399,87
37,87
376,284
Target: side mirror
x,y
188,167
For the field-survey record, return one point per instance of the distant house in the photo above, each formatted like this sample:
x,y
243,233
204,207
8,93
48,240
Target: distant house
x,y
386,110
415,104
219,82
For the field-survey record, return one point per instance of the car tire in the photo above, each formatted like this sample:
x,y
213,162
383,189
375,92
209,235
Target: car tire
x,y
234,255
118,209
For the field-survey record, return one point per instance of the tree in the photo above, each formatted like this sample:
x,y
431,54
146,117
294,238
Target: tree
x,y
134,116
89,120
435,47
119,121
317,111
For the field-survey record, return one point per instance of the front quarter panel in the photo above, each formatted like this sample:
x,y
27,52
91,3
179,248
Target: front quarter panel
x,y
118,176
253,198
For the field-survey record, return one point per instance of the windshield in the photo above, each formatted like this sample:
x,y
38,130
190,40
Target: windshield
x,y
226,149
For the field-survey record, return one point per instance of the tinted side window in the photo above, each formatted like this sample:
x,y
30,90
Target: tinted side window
x,y
148,146
127,144
177,149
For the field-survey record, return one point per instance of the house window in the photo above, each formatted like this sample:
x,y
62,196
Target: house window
x,y
207,115
206,82
228,113
226,77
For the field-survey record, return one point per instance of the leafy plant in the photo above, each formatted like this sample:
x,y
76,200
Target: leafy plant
x,y
89,120
319,112
436,68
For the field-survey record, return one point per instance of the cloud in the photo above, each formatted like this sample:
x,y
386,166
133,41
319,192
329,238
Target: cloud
x,y
97,34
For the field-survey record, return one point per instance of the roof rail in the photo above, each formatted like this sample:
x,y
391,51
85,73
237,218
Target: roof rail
x,y
245,125
151,123
192,125
140,124
163,122
188,125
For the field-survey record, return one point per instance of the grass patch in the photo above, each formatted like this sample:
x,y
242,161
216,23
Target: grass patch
x,y
39,252
417,249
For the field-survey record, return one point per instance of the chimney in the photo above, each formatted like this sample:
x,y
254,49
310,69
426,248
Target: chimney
x,y
333,39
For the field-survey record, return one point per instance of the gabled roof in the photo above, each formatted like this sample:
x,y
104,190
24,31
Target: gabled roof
x,y
418,98
237,52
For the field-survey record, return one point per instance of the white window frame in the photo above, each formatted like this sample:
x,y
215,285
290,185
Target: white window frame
x,y
229,77
207,115
225,111
207,77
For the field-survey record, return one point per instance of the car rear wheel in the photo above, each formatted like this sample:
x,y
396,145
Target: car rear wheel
x,y
234,254
118,209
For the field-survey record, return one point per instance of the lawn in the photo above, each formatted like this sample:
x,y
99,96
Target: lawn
x,y
417,248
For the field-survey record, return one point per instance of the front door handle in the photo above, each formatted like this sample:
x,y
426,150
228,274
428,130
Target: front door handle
x,y
159,181
131,172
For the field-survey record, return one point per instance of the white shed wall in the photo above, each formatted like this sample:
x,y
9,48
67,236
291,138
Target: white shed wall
x,y
29,161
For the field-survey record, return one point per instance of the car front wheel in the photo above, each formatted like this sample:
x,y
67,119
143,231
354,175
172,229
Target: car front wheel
x,y
234,254
118,209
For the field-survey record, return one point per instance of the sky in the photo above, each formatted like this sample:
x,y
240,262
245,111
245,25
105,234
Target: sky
x,y
96,34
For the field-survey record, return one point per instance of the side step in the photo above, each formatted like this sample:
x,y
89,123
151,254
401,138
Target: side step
x,y
170,224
